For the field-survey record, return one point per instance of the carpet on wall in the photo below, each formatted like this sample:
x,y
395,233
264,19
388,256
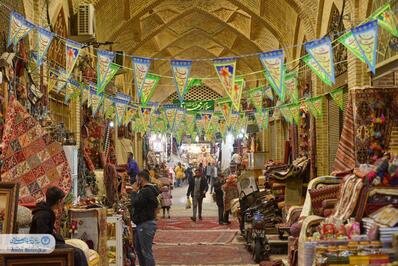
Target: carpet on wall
x,y
174,237
202,255
31,157
185,223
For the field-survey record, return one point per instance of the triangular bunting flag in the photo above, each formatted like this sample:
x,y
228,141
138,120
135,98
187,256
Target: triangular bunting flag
x,y
121,101
181,71
18,28
235,116
44,39
72,49
63,79
223,129
274,70
179,119
205,120
86,95
295,112
338,97
225,106
268,93
104,59
52,80
365,36
237,93
285,112
291,86
349,42
256,98
72,90
95,100
140,70
193,82
260,119
109,108
225,69
148,88
266,117
314,105
112,70
146,113
170,111
386,19
129,115
311,63
322,53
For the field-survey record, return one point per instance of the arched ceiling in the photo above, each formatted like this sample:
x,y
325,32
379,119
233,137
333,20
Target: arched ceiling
x,y
192,29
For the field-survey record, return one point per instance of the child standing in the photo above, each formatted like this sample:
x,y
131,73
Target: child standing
x,y
165,200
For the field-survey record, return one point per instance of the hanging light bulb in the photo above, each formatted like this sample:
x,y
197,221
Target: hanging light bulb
x,y
197,139
111,124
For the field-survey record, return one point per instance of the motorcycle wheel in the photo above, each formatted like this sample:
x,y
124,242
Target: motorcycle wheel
x,y
258,251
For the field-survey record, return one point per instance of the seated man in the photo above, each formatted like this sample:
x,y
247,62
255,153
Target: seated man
x,y
43,221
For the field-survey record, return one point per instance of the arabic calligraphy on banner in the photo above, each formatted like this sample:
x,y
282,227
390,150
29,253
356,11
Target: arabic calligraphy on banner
x,y
194,106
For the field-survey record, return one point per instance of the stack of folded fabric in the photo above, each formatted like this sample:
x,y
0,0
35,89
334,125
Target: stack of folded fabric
x,y
387,233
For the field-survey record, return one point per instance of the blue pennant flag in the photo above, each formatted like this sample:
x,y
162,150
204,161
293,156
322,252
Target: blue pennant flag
x,y
44,39
181,71
18,28
366,39
104,59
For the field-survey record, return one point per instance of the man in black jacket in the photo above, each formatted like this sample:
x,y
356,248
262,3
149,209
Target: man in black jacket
x,y
197,189
219,198
43,221
144,204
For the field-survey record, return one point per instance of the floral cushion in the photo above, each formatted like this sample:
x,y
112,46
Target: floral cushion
x,y
318,195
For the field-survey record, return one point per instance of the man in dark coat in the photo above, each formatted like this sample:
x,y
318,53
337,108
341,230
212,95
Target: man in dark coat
x,y
43,221
197,189
219,198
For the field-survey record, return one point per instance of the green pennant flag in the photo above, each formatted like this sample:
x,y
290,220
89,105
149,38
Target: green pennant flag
x,y
260,119
109,108
70,91
338,97
112,70
236,94
256,98
386,19
295,112
311,63
285,112
290,84
179,118
150,83
349,42
268,93
235,116
129,115
314,105
180,133
223,129
225,106
213,122
193,82
190,121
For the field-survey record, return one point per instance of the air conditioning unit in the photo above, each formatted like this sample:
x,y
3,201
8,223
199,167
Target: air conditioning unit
x,y
85,20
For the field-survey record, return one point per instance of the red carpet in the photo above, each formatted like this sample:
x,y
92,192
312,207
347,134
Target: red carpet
x,y
185,223
194,237
201,255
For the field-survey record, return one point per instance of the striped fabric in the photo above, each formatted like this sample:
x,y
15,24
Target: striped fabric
x,y
345,155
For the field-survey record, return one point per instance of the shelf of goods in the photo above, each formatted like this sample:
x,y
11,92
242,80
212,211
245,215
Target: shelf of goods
x,y
114,242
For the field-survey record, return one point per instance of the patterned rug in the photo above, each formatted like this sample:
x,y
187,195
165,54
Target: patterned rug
x,y
174,237
202,255
185,223
31,157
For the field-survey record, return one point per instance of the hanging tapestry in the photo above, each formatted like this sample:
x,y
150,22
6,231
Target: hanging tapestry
x,y
290,84
386,19
225,69
274,71
181,71
44,39
322,53
140,70
150,83
365,37
18,28
31,157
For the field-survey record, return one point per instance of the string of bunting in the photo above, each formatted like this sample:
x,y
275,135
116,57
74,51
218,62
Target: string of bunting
x,y
361,41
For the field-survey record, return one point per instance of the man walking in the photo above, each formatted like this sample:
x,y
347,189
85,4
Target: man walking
x,y
132,167
144,204
197,190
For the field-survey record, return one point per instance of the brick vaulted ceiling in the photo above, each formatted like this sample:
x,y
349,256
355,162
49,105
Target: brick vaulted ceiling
x,y
189,29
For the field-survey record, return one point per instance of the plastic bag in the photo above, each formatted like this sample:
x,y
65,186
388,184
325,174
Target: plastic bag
x,y
188,203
